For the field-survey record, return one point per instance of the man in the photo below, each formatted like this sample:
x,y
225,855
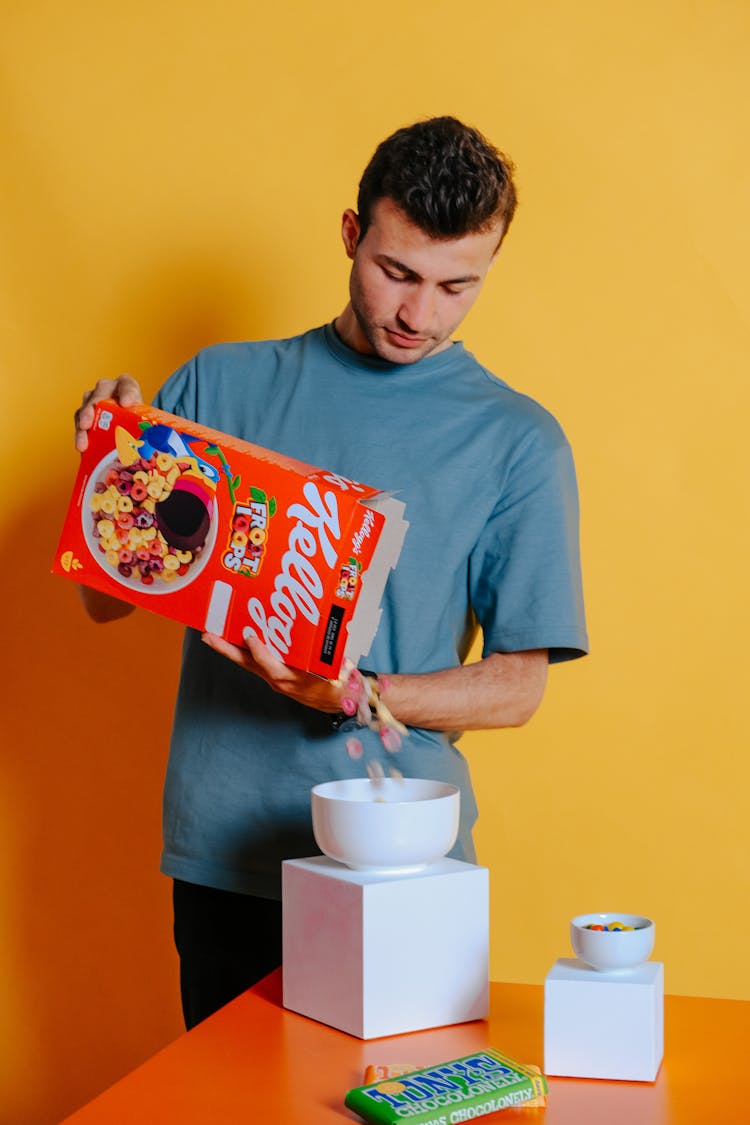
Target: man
x,y
386,396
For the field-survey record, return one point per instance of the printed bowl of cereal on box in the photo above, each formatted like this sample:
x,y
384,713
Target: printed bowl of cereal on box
x,y
148,511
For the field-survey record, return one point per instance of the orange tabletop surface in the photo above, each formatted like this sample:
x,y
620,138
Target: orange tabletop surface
x,y
256,1062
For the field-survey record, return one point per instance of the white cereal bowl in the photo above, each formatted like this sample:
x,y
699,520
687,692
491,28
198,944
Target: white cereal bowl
x,y
612,950
385,826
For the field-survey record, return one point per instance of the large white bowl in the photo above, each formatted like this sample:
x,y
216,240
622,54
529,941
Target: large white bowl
x,y
609,951
388,825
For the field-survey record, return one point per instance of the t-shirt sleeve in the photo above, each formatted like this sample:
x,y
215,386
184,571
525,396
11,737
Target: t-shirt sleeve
x,y
525,570
179,394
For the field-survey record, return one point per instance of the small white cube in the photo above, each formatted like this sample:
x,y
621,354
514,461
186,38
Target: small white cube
x,y
378,955
604,1025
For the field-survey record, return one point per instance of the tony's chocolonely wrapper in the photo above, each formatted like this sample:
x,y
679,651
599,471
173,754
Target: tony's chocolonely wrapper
x,y
450,1092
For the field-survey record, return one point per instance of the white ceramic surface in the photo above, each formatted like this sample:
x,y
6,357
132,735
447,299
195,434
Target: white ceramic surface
x,y
388,826
612,950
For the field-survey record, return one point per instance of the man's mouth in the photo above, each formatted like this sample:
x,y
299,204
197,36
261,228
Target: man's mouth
x,y
404,341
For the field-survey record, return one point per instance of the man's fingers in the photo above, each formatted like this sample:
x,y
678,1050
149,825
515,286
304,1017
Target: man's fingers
x,y
303,687
225,648
125,390
256,658
264,658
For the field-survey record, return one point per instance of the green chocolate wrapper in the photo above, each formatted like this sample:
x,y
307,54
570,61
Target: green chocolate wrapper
x,y
440,1095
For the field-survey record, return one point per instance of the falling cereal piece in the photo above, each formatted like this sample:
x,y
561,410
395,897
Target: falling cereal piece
x,y
376,774
375,771
363,711
354,683
396,775
365,689
391,739
354,748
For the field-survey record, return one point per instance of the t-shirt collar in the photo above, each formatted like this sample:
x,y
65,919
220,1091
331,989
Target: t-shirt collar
x,y
351,358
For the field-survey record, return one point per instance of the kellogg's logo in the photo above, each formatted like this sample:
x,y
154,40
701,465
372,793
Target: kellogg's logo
x,y
298,587
248,536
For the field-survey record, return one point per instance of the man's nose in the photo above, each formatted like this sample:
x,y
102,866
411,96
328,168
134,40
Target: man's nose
x,y
417,311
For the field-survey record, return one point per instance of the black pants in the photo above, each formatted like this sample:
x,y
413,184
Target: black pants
x,y
226,942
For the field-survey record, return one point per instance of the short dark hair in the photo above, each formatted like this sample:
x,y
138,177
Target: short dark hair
x,y
444,175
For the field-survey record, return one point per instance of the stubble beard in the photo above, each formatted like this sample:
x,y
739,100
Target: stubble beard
x,y
377,337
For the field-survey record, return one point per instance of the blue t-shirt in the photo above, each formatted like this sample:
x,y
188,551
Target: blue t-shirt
x,y
491,500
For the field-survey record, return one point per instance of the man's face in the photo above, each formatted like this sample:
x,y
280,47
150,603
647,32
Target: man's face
x,y
409,292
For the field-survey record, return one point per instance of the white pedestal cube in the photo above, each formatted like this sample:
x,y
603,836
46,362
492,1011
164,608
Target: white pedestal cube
x,y
378,955
604,1025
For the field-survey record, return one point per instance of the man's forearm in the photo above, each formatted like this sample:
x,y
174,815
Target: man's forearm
x,y
502,690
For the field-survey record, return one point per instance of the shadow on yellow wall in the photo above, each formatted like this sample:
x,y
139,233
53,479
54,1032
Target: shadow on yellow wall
x,y
88,974
85,914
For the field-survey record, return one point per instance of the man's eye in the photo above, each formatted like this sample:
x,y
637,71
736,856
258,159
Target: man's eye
x,y
395,276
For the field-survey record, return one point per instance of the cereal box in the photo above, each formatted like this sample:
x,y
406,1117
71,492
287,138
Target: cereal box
x,y
228,537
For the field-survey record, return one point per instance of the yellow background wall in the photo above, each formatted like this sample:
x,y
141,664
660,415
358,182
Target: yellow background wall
x,y
172,174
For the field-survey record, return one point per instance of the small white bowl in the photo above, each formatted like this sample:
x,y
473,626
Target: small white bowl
x,y
611,950
386,826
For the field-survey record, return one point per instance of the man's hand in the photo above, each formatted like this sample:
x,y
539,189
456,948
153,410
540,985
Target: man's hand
x,y
124,390
303,687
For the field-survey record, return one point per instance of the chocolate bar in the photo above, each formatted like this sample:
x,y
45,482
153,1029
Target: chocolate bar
x,y
450,1092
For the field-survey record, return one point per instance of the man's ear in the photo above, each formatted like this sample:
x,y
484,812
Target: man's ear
x,y
350,231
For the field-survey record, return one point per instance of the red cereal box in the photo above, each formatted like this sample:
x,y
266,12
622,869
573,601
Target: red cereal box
x,y
229,537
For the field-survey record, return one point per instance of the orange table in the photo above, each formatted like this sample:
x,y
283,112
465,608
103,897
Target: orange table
x,y
254,1062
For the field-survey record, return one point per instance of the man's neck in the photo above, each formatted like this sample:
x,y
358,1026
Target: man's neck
x,y
349,332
